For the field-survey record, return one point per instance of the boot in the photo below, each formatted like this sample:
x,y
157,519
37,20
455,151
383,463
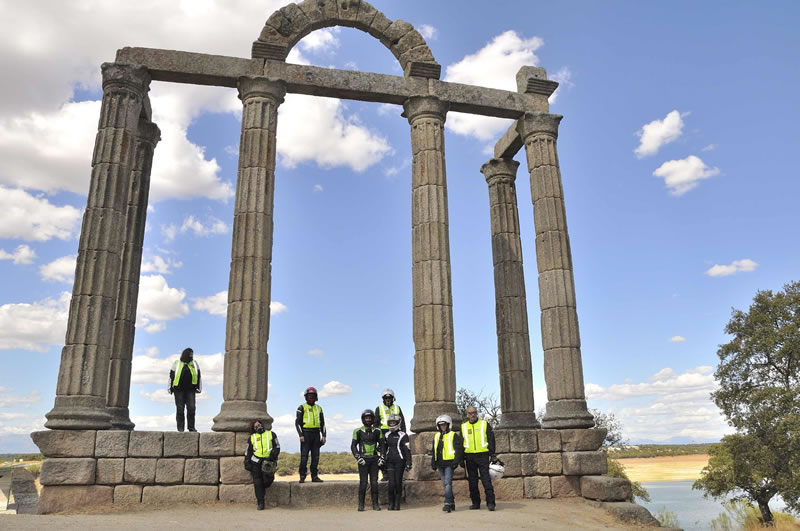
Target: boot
x,y
302,478
375,506
316,479
260,505
361,503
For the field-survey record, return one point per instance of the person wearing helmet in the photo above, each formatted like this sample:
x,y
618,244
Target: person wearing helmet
x,y
448,449
388,407
398,459
310,425
368,449
261,459
478,453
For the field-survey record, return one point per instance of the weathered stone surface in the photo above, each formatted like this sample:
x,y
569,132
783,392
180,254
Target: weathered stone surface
x,y
565,486
523,440
231,470
68,471
169,471
502,445
181,444
111,443
158,494
506,489
146,444
22,482
537,487
128,494
110,471
528,464
582,440
584,463
549,441
548,464
421,469
331,493
201,471
216,444
422,443
140,470
57,498
242,438
277,494
630,512
422,491
65,443
512,464
605,488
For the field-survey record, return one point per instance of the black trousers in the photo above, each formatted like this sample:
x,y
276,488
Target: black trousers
x,y
184,399
261,481
310,445
478,465
394,471
370,470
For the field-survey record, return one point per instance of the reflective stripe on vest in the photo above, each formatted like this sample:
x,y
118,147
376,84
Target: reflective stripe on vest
x,y
475,439
178,368
448,452
384,412
311,416
262,444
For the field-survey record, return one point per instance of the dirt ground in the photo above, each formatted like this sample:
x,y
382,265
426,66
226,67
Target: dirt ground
x,y
674,468
558,515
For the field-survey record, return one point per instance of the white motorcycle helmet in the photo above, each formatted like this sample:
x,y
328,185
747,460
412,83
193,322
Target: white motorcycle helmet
x,y
496,471
444,419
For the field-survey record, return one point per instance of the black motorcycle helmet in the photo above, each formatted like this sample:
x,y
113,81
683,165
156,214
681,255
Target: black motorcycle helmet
x,y
367,417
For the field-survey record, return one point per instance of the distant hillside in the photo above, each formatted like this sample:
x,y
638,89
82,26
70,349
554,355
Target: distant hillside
x,y
659,450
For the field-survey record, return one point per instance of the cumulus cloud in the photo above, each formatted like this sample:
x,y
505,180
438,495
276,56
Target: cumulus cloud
x,y
217,304
427,31
658,133
677,339
317,188
150,370
198,228
335,388
682,175
162,396
9,399
34,326
320,40
737,266
664,382
167,422
709,147
564,78
33,218
59,270
276,307
158,303
159,265
21,255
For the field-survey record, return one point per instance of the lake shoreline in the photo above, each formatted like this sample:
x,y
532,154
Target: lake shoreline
x,y
667,468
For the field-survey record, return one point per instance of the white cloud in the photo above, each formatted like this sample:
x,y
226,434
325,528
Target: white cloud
x,y
34,218
158,303
335,388
59,270
710,147
664,382
320,40
8,399
737,266
159,265
34,326
682,175
317,188
198,228
276,307
677,339
162,395
216,304
21,255
167,422
564,78
149,370
494,66
427,31
658,133
664,374
316,352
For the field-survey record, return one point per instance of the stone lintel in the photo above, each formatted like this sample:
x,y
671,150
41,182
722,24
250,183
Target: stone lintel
x,y
509,144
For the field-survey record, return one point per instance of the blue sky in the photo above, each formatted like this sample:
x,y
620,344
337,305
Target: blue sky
x,y
677,154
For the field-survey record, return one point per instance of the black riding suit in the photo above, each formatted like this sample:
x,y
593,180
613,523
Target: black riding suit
x,y
368,442
398,458
312,441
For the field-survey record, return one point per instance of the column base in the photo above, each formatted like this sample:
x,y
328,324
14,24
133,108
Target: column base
x,y
562,414
78,413
236,415
425,414
519,419
120,418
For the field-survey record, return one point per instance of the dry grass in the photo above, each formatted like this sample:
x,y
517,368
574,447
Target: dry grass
x,y
673,468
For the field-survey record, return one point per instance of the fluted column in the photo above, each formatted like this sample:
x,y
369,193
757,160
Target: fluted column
x,y
513,340
119,378
563,369
83,374
434,358
246,359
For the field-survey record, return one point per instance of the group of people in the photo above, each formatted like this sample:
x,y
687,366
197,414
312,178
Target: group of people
x,y
380,443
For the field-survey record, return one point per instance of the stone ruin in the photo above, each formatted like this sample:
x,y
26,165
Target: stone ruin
x,y
91,453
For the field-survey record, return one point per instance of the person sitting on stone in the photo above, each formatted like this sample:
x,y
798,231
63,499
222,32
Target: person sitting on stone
x,y
448,448
184,384
261,459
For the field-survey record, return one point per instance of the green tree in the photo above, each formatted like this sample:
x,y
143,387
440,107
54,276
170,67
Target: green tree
x,y
759,394
615,439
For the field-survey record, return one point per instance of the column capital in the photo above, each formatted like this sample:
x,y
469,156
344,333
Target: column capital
x,y
263,87
417,106
532,123
500,169
148,132
132,77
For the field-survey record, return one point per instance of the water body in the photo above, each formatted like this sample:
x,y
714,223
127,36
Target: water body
x,y
694,512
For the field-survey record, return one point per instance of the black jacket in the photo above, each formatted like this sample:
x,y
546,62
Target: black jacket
x,y
364,438
398,446
273,455
298,422
458,447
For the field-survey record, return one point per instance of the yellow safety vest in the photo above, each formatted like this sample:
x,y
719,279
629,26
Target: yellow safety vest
x,y
179,368
384,412
311,416
262,444
475,438
448,452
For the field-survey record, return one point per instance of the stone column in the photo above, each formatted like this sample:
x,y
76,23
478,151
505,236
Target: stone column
x,y
434,358
563,370
513,340
119,378
247,332
83,374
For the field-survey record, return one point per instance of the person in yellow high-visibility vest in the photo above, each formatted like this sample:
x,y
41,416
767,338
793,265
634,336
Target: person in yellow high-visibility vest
x,y
478,454
184,384
310,425
448,449
261,459
387,408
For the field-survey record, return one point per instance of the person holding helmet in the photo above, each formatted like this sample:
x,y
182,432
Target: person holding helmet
x,y
398,459
310,425
261,459
368,449
478,453
184,384
388,407
448,449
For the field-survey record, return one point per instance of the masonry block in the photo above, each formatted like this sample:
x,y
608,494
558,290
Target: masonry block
x,y
549,441
68,471
502,444
181,443
537,487
65,443
422,443
240,446
548,464
110,471
146,444
57,498
584,463
506,489
217,444
605,488
140,470
523,440
162,494
111,443
421,469
128,494
201,471
512,464
565,486
169,471
232,471
528,464
582,440
321,494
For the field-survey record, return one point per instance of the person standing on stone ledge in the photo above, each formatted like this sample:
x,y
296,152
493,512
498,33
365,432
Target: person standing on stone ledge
x,y
388,407
478,453
310,425
261,459
448,449
184,383
398,459
368,449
